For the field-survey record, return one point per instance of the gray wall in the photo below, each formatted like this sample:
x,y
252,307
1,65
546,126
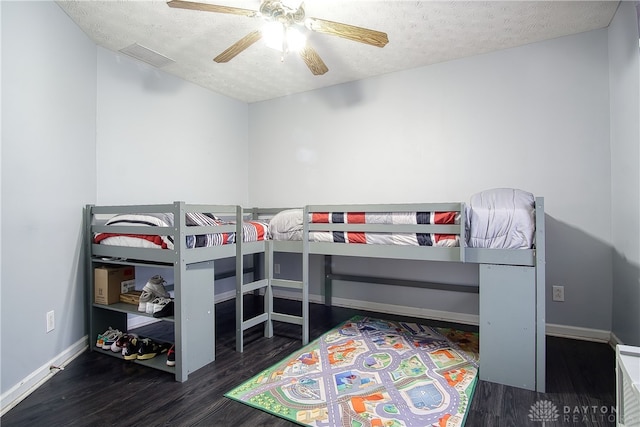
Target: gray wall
x,y
625,172
48,174
534,117
84,125
172,139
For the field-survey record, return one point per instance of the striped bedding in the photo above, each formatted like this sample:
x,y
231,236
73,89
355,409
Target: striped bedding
x,y
252,231
287,225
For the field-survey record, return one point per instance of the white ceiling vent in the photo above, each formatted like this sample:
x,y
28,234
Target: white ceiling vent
x,y
147,55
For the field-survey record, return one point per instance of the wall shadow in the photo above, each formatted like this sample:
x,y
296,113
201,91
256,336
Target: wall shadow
x,y
602,286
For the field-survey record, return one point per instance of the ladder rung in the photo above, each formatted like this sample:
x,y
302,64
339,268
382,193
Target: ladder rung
x,y
258,284
255,321
287,318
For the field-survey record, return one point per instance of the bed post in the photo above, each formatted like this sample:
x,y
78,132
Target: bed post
x,y
463,232
179,272
268,290
88,240
328,287
239,282
540,296
305,276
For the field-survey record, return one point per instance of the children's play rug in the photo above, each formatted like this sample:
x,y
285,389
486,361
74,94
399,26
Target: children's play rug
x,y
371,372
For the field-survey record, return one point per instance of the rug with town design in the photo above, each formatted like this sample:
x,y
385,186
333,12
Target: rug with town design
x,y
371,372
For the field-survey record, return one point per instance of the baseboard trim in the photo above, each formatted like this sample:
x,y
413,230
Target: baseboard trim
x,y
578,333
614,341
28,385
563,331
400,310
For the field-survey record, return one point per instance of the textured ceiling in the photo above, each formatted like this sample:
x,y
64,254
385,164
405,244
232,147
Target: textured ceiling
x,y
420,33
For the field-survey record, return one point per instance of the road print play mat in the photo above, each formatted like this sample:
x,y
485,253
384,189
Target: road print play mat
x,y
371,372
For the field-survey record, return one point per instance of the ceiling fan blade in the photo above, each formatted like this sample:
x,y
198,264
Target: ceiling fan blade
x,y
238,46
351,32
180,4
313,61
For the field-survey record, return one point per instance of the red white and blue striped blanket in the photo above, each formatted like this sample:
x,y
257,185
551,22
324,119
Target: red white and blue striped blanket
x,y
251,230
288,224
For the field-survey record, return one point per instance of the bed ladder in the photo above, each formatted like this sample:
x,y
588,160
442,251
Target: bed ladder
x,y
254,286
302,285
267,282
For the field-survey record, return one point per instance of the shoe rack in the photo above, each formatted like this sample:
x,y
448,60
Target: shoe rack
x,y
188,331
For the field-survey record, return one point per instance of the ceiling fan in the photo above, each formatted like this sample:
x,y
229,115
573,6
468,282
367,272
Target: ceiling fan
x,y
286,20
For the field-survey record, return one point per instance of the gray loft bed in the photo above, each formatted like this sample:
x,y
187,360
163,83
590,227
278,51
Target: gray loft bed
x,y
512,336
193,272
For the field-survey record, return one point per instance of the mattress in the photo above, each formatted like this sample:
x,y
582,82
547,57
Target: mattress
x,y
288,225
501,218
252,231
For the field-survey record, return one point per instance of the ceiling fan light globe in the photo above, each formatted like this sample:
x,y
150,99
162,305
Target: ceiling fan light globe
x,y
296,39
282,38
272,34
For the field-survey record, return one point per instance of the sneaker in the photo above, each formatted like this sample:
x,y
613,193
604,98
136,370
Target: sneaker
x,y
155,286
166,310
110,338
149,306
100,338
145,297
149,349
130,351
156,305
121,342
160,304
171,356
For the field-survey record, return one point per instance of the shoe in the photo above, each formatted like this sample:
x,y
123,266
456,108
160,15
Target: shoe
x,y
149,349
130,351
171,356
155,286
166,310
145,297
110,338
121,342
150,304
100,338
159,305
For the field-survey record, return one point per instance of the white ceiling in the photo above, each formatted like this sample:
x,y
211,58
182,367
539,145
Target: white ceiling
x,y
420,33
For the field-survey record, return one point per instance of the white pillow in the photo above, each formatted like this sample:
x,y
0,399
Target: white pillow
x,y
286,225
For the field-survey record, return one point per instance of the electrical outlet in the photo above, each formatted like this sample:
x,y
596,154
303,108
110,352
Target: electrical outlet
x,y
558,293
276,268
51,321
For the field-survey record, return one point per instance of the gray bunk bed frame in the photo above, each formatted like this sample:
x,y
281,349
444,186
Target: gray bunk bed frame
x,y
512,336
193,272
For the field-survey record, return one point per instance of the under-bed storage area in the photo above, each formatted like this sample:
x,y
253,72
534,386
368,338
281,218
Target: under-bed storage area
x,y
184,239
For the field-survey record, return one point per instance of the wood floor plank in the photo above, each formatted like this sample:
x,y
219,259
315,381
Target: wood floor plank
x,y
97,390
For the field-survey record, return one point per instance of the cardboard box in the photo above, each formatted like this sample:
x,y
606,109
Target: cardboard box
x,y
108,283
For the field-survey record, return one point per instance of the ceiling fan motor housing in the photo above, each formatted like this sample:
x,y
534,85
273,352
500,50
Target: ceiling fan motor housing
x,y
277,11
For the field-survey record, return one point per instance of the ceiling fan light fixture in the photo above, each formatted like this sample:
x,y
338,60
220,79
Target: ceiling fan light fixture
x,y
282,38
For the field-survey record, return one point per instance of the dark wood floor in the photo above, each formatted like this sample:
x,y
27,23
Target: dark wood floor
x,y
97,390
